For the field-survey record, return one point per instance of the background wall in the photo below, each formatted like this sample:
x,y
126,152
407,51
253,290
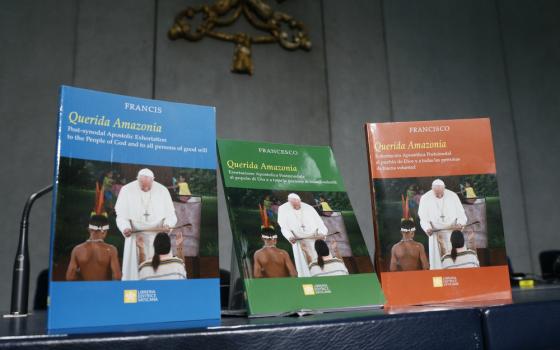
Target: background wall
x,y
372,61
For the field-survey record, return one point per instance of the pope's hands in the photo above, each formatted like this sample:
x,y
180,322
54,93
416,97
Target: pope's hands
x,y
292,240
127,232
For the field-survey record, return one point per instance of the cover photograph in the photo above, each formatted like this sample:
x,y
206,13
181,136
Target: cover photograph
x,y
134,226
436,209
298,244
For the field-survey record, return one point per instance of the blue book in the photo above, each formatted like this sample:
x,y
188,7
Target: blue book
x,y
134,236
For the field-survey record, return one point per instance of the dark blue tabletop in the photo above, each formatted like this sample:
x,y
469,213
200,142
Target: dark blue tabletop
x,y
527,323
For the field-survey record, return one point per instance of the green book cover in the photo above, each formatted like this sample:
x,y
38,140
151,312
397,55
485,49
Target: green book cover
x,y
296,238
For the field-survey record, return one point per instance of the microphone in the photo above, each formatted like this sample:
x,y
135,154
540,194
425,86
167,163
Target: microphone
x,y
20,277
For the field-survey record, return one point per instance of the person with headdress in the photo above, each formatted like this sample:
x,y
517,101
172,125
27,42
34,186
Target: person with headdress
x,y
94,260
325,264
271,261
407,254
163,265
460,256
440,213
143,205
301,225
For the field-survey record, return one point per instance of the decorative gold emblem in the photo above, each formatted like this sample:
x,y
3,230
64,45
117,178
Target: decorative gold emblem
x,y
280,28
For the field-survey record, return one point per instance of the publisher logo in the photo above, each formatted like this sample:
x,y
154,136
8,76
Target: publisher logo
x,y
133,296
447,281
308,289
314,289
130,296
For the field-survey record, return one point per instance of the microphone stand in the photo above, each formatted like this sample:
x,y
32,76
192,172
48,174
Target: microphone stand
x,y
20,279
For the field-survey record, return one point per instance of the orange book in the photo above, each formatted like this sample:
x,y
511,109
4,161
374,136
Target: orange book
x,y
436,210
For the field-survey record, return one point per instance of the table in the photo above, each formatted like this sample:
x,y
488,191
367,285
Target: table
x,y
530,322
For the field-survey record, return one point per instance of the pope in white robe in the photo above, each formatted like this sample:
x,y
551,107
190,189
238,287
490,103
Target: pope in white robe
x,y
300,220
143,204
440,209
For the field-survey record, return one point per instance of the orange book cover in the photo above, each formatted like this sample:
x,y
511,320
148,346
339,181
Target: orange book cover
x,y
436,210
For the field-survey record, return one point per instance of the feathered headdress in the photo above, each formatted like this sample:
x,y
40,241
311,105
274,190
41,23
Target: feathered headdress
x,y
405,209
407,223
99,204
267,230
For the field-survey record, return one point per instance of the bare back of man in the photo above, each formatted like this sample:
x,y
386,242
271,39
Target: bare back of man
x,y
94,261
408,256
272,262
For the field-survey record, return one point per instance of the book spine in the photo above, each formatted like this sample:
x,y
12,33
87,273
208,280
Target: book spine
x,y
54,195
371,167
236,248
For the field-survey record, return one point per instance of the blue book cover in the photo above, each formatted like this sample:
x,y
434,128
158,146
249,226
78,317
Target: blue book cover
x,y
134,236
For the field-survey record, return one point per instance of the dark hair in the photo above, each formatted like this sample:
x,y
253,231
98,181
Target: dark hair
x,y
457,241
162,245
268,231
98,220
407,224
322,250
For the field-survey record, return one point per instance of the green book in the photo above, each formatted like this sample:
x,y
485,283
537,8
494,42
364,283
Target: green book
x,y
298,244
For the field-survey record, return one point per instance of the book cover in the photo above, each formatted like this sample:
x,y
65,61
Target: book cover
x,y
297,241
134,237
436,208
